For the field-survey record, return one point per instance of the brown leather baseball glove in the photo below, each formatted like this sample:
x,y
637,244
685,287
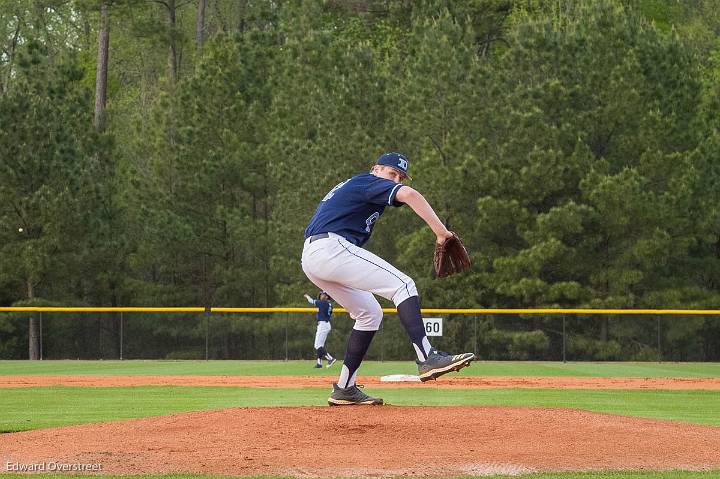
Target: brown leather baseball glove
x,y
450,257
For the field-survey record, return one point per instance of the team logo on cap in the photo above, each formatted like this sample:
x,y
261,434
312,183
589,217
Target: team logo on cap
x,y
402,163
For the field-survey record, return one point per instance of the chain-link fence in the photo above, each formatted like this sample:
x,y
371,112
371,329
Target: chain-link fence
x,y
277,334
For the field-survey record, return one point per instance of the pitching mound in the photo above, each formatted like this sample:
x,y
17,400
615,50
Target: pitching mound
x,y
367,441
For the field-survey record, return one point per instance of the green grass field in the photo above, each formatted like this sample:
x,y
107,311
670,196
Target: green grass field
x,y
34,408
369,368
42,407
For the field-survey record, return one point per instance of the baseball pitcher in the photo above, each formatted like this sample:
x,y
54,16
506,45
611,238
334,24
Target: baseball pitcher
x,y
334,260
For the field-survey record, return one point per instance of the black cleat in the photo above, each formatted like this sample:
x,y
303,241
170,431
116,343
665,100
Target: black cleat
x,y
351,395
439,363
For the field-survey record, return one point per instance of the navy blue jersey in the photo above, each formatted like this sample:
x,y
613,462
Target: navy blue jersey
x,y
324,310
352,208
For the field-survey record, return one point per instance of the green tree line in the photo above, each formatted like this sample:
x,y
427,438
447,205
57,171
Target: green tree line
x,y
171,152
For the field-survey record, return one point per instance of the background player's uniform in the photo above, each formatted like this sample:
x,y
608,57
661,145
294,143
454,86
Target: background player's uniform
x,y
323,330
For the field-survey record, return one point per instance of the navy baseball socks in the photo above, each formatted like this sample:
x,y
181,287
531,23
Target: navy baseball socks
x,y
431,363
357,346
323,354
328,357
346,392
411,319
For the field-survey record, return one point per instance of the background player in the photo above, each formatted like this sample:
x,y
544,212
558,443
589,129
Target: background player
x,y
334,260
323,327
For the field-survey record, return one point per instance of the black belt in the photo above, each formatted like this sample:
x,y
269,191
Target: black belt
x,y
319,236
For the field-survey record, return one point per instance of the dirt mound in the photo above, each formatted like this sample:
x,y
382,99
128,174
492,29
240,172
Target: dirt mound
x,y
372,441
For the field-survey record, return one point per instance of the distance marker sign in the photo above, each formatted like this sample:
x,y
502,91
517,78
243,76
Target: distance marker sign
x,y
433,326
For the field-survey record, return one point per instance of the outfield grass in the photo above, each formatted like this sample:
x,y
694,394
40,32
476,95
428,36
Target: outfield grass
x,y
370,368
34,408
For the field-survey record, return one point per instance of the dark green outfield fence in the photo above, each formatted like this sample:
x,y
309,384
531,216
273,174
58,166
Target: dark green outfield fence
x,y
288,333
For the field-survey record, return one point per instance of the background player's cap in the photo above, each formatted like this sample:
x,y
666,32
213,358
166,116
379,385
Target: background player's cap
x,y
395,160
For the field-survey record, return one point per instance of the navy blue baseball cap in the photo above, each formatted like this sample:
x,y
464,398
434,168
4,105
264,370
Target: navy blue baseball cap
x,y
395,160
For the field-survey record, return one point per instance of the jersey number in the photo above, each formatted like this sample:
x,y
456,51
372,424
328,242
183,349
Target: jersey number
x,y
332,192
371,219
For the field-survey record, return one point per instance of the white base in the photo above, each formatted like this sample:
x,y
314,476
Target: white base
x,y
399,378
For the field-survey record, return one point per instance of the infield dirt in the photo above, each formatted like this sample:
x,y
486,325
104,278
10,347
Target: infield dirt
x,y
371,441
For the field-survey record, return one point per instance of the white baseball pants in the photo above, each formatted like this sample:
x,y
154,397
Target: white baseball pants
x,y
321,333
351,275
